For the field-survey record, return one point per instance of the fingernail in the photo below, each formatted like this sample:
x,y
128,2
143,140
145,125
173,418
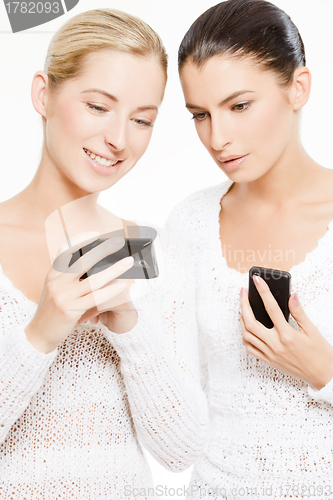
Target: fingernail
x,y
256,279
296,299
117,242
121,285
241,292
127,261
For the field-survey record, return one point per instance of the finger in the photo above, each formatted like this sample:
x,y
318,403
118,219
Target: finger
x,y
119,302
76,241
253,339
97,252
254,351
250,321
92,251
103,278
112,304
271,305
297,312
61,260
98,297
86,316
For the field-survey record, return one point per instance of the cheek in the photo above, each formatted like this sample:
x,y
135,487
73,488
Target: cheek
x,y
139,142
71,122
273,127
74,123
204,133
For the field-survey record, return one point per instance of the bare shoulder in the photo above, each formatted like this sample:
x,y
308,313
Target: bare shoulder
x,y
324,193
318,198
7,217
13,212
329,185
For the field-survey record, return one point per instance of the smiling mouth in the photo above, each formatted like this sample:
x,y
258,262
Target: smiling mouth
x,y
104,162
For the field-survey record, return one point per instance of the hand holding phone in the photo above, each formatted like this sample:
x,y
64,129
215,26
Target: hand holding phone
x,y
66,297
279,285
138,244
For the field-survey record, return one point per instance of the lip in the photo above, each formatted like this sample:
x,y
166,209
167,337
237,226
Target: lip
x,y
99,169
232,162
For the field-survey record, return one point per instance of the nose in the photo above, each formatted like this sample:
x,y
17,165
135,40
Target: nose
x,y
220,134
116,134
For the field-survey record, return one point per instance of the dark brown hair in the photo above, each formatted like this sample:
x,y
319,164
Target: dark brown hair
x,y
254,28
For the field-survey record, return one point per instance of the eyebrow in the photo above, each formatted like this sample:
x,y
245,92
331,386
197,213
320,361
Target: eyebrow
x,y
229,98
113,98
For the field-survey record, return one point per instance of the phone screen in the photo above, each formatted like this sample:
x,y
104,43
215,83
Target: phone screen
x,y
142,250
279,284
138,243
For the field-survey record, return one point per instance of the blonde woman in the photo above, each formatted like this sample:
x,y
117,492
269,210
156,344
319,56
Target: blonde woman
x,y
85,368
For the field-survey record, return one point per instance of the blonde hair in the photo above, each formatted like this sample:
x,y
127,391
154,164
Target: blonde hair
x,y
97,30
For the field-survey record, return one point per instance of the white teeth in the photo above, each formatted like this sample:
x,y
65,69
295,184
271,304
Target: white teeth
x,y
100,160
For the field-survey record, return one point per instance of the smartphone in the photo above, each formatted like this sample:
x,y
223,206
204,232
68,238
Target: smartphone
x,y
279,284
142,250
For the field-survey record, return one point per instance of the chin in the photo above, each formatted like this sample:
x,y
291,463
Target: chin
x,y
243,175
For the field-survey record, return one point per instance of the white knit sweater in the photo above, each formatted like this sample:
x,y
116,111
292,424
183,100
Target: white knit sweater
x,y
268,430
70,420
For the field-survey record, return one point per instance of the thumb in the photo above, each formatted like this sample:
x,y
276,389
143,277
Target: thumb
x,y
297,312
76,241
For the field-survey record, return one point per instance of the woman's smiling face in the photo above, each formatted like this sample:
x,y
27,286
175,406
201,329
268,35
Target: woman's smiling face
x,y
242,115
99,124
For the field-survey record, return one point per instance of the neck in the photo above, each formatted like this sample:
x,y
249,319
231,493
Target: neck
x,y
50,191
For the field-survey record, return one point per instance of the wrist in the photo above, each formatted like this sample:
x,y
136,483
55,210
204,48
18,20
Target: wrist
x,y
123,321
37,341
325,375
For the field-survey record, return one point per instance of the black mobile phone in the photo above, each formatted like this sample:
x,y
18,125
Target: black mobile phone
x,y
139,243
142,250
279,284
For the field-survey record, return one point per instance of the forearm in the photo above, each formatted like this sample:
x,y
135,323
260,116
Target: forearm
x,y
22,372
168,407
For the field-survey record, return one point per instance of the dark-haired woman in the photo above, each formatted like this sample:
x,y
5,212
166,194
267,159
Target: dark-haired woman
x,y
270,391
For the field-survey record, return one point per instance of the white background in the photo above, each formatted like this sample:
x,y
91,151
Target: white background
x,y
176,163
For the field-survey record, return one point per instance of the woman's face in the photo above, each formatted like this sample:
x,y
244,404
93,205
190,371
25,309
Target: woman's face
x,y
241,114
99,124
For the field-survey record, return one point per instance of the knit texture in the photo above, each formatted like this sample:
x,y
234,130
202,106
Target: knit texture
x,y
270,434
71,421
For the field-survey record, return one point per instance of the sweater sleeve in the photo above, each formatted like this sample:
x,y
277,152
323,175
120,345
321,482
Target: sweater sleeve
x,y
181,221
325,394
22,371
160,362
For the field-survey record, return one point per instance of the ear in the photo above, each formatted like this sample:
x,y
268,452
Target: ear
x,y
39,92
301,87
